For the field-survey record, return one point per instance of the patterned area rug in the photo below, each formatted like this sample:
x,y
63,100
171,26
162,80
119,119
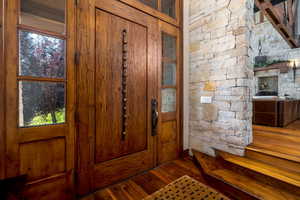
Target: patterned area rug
x,y
186,188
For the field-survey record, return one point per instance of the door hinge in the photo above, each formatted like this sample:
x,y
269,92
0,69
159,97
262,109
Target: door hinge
x,y
77,57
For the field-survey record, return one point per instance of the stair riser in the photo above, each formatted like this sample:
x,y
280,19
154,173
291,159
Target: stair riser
x,y
275,161
231,190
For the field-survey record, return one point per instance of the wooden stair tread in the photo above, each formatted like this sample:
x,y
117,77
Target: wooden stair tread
x,y
251,186
275,136
288,150
276,152
276,130
283,175
276,159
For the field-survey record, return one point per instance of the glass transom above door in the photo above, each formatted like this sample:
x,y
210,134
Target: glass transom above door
x,y
167,7
151,3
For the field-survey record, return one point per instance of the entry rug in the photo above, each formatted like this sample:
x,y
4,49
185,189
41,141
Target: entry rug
x,y
186,188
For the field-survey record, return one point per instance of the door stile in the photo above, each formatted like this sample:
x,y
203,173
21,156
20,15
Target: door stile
x,y
11,61
85,103
71,95
2,94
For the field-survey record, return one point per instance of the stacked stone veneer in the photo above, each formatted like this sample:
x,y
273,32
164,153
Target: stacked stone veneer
x,y
220,67
275,47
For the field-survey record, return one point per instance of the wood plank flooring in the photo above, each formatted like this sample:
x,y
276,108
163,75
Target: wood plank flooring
x,y
140,186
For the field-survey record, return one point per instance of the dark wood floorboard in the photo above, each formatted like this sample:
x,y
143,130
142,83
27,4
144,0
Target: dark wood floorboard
x,y
140,186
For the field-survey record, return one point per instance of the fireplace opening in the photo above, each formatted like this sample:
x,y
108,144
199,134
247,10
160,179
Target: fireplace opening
x,y
267,86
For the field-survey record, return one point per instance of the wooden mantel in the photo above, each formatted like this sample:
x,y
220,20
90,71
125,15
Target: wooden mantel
x,y
284,67
276,15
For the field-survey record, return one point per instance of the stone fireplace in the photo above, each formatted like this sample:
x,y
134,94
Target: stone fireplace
x,y
267,86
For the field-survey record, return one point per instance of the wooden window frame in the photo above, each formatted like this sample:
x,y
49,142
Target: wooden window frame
x,y
177,21
175,32
177,115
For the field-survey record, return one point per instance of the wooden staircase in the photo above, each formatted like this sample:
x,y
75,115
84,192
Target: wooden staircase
x,y
269,170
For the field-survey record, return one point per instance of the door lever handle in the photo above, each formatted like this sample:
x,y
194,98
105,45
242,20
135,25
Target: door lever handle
x,y
154,113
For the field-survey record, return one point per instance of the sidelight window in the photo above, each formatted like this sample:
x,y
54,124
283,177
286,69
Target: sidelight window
x,y
42,63
169,69
169,7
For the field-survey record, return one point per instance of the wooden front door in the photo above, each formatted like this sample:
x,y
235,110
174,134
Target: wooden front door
x,y
117,80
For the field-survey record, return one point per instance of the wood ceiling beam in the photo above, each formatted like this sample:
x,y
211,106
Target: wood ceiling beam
x,y
274,3
276,17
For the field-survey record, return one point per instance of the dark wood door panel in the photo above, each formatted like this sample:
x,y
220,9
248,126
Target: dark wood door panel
x,y
56,187
49,158
108,84
105,155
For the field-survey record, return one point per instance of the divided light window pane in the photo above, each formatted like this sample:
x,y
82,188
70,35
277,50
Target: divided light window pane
x,y
169,7
151,3
41,56
169,46
41,103
44,14
168,100
169,74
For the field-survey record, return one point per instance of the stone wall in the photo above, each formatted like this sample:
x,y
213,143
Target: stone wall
x,y
275,47
219,67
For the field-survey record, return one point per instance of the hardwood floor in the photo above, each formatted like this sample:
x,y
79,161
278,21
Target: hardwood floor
x,y
140,186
